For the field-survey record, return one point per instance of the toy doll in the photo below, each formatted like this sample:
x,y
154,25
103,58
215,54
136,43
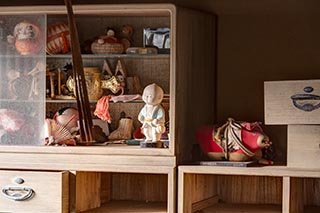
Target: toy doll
x,y
152,115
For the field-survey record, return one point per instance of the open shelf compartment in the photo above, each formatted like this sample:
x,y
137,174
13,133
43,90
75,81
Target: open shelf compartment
x,y
226,193
212,189
121,192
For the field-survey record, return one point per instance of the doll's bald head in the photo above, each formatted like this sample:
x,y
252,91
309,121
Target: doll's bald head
x,y
152,94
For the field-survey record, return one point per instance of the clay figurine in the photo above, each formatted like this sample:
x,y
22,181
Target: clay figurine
x,y
152,115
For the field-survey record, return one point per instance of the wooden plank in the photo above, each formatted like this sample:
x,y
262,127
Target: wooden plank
x,y
172,193
204,187
286,195
186,193
88,185
72,191
93,150
181,191
203,204
280,108
296,195
106,187
140,164
139,187
311,191
195,191
277,171
131,206
240,208
249,189
304,146
194,78
103,9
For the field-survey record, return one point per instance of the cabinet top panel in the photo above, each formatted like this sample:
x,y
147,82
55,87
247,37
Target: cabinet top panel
x,y
105,9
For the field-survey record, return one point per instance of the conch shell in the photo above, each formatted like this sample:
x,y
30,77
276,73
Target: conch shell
x,y
56,134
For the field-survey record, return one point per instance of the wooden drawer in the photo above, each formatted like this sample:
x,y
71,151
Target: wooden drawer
x,y
304,146
292,102
34,191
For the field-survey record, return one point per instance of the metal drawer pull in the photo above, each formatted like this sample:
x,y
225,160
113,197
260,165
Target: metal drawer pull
x,y
17,193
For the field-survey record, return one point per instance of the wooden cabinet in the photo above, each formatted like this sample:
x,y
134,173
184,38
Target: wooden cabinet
x,y
255,189
119,177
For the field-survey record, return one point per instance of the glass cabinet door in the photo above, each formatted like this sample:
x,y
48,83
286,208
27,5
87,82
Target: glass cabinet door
x,y
22,77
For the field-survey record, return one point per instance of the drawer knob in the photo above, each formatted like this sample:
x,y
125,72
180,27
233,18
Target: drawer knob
x,y
308,89
17,193
18,180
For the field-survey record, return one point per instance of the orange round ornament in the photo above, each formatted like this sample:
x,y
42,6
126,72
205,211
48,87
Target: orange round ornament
x,y
28,38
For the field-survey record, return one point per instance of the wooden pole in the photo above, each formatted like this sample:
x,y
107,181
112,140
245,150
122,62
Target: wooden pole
x,y
85,120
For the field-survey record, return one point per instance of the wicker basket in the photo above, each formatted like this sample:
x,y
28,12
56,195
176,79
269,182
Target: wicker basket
x,y
103,46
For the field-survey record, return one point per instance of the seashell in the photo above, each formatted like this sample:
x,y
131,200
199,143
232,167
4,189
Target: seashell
x,y
58,39
57,134
67,117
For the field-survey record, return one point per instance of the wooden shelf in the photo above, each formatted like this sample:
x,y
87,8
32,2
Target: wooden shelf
x,y
121,149
93,158
277,171
241,208
211,189
152,56
131,206
57,101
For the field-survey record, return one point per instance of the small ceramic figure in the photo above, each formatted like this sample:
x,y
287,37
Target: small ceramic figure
x,y
152,115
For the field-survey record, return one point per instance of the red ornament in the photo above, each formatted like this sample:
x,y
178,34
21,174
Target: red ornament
x,y
58,39
28,38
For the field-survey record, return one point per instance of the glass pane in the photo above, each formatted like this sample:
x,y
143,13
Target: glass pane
x,y
22,77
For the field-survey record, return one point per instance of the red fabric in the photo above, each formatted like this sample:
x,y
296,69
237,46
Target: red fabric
x,y
137,134
102,109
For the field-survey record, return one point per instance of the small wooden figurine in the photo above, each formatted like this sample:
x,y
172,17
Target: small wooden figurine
x,y
152,115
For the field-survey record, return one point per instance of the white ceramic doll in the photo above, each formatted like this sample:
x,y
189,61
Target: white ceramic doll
x,y
152,115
